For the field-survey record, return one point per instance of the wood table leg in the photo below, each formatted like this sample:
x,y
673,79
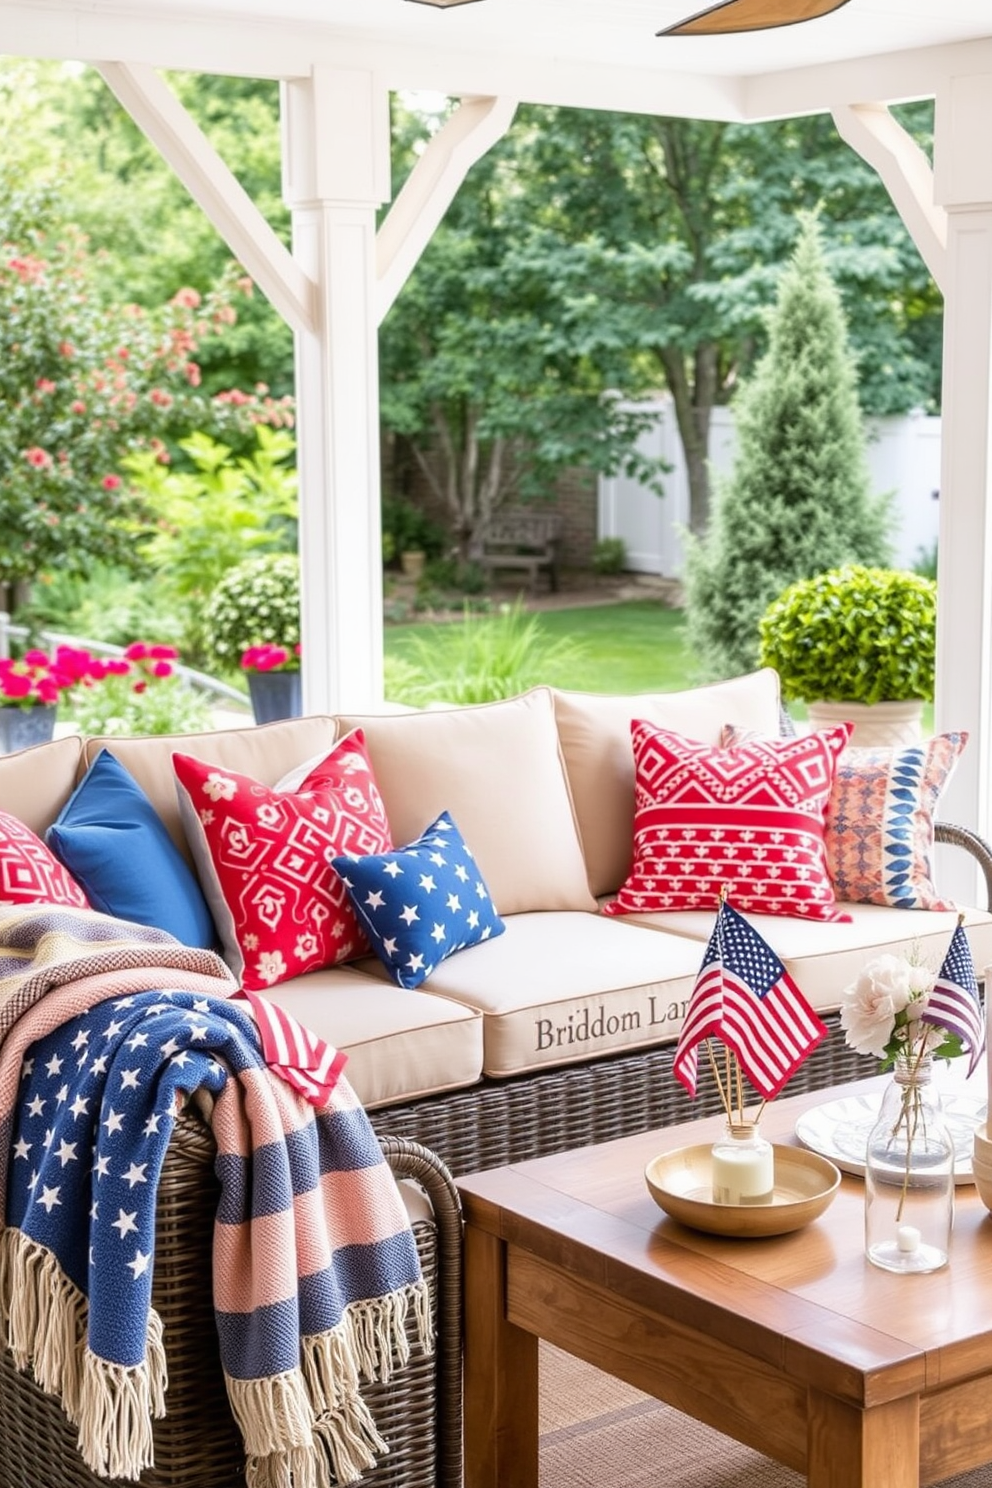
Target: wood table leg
x,y
500,1375
852,1448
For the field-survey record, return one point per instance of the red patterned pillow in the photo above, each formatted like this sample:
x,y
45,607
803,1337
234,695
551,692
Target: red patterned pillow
x,y
29,873
263,856
749,819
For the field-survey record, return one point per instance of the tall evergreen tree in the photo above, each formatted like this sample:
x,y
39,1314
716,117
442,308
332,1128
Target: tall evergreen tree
x,y
798,499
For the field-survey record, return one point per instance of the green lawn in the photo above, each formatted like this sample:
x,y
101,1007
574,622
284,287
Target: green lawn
x,y
632,647
638,646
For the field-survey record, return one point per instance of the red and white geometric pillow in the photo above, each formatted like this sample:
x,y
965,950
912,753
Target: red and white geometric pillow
x,y
29,873
263,857
748,819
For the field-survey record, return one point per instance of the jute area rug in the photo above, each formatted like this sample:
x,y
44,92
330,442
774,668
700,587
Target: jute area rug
x,y
599,1433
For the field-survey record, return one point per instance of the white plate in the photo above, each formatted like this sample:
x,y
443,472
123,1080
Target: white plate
x,y
839,1130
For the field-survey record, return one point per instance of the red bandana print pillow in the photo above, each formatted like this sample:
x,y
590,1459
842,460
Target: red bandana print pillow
x,y
263,856
30,873
749,819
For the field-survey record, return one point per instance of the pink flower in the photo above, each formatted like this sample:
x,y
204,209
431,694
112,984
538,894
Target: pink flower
x,y
111,482
137,651
264,658
37,457
77,406
14,685
187,298
45,385
162,669
66,349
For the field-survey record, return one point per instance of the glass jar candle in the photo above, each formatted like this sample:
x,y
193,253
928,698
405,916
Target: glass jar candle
x,y
743,1166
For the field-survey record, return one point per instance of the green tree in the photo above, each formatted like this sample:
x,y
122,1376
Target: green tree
x,y
684,225
493,367
798,499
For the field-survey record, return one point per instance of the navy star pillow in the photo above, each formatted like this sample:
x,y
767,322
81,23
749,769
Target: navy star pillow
x,y
420,903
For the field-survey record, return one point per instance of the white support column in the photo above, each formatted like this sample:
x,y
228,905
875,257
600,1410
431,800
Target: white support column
x,y
963,181
335,175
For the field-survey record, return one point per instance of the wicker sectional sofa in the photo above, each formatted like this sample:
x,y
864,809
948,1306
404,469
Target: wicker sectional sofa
x,y
558,1032
561,1030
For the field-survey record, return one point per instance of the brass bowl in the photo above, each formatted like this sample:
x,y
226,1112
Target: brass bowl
x,y
681,1183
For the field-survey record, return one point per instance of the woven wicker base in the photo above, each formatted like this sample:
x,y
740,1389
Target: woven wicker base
x,y
197,1445
502,1121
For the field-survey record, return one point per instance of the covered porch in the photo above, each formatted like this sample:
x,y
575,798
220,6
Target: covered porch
x,y
338,65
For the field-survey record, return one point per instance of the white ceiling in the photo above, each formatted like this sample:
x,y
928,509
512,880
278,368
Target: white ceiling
x,y
600,52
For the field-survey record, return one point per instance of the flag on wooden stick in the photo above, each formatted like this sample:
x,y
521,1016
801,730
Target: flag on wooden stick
x,y
744,996
954,1004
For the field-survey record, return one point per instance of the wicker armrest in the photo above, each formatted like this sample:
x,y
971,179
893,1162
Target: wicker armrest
x,y
197,1444
971,842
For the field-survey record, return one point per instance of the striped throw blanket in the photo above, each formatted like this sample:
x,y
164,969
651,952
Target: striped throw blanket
x,y
107,1031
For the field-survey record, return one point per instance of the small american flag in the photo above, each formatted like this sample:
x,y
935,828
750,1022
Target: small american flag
x,y
745,997
954,1003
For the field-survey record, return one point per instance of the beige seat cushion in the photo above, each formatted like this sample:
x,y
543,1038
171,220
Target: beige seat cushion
x,y
400,1044
36,783
824,958
594,730
557,988
497,770
265,754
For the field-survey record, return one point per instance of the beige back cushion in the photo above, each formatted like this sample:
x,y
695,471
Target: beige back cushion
x,y
594,729
36,783
264,754
497,769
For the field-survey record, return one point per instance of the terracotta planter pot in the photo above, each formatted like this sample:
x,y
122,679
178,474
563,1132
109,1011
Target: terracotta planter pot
x,y
875,724
275,695
22,727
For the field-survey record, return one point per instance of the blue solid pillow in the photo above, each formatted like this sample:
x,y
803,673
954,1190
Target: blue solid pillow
x,y
113,841
420,903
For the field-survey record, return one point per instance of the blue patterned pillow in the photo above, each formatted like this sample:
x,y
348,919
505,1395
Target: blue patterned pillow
x,y
420,903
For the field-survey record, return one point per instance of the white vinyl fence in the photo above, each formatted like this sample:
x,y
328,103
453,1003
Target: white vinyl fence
x,y
903,455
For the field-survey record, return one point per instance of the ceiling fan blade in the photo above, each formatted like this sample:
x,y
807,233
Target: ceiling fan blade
x,y
751,15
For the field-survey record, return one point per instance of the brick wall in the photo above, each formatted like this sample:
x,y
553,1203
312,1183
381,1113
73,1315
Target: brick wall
x,y
574,498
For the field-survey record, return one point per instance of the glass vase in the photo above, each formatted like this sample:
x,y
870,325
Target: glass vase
x,y
909,1173
743,1166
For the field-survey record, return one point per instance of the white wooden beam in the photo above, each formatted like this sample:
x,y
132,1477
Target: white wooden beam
x,y
158,114
473,128
879,138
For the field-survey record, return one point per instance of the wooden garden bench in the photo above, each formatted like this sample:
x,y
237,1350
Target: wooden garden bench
x,y
519,537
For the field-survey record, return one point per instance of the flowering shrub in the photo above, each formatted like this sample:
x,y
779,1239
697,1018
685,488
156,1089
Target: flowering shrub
x,y
270,659
256,604
82,382
33,678
137,693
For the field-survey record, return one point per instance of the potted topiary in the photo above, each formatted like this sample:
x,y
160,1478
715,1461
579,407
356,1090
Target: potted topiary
x,y
252,621
856,644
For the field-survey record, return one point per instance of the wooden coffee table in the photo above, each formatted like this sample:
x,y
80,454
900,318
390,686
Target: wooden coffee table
x,y
794,1345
